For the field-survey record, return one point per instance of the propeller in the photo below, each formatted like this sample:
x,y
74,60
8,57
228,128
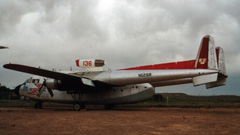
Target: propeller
x,y
43,87
16,89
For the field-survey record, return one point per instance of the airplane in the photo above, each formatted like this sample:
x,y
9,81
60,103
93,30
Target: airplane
x,y
3,47
129,85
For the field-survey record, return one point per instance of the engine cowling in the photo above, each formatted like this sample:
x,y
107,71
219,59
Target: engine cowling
x,y
53,84
62,85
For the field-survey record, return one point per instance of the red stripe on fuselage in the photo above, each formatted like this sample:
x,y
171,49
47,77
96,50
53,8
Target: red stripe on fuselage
x,y
34,90
173,65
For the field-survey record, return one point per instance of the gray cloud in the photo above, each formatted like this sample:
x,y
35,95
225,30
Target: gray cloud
x,y
52,34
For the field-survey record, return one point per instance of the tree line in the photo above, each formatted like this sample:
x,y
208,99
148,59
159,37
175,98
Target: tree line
x,y
5,92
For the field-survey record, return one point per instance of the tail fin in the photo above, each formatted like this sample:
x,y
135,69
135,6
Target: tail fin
x,y
206,58
212,58
222,75
221,61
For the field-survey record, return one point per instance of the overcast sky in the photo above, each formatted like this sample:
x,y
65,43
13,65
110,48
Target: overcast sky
x,y
53,34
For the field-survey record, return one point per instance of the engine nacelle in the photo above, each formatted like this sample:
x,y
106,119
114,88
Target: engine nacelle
x,y
62,86
53,84
91,64
78,85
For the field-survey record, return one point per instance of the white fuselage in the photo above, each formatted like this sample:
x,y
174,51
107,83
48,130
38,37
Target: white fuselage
x,y
113,95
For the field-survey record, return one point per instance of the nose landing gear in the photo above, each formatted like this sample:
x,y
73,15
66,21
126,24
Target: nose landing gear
x,y
78,107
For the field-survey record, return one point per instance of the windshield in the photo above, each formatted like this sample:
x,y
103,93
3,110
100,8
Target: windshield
x,y
31,80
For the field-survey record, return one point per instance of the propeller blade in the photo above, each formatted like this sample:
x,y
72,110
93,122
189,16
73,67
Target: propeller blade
x,y
41,89
16,90
50,91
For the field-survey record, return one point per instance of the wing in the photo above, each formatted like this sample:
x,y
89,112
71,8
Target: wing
x,y
70,81
41,72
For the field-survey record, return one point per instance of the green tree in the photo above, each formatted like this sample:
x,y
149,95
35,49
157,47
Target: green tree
x,y
4,92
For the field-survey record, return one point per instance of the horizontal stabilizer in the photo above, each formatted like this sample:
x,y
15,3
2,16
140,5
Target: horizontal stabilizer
x,y
203,79
219,82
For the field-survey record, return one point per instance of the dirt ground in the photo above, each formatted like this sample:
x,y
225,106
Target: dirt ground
x,y
120,121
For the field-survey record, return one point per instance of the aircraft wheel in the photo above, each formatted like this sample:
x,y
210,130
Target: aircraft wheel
x,y
76,107
38,105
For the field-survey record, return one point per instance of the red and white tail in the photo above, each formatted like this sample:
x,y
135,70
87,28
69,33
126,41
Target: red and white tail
x,y
206,58
212,58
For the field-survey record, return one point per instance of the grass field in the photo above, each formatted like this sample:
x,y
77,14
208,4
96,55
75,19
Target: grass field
x,y
183,100
159,100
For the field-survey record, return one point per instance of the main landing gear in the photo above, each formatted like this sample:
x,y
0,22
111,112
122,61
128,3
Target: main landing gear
x,y
78,107
77,98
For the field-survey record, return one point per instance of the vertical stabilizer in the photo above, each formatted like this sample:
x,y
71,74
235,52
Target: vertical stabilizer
x,y
206,58
222,75
221,61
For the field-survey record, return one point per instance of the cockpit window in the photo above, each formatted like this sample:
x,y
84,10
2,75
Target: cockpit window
x,y
35,80
30,80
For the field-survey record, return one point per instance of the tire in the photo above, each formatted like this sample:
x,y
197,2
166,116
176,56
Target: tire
x,y
76,107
